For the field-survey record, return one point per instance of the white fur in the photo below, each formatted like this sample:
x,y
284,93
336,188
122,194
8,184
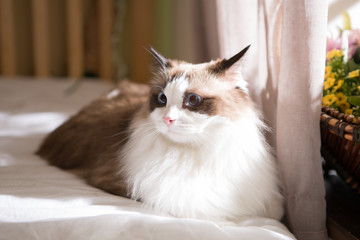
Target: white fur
x,y
114,93
201,166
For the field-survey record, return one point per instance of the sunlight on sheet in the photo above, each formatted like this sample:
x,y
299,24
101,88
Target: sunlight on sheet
x,y
25,124
6,159
43,208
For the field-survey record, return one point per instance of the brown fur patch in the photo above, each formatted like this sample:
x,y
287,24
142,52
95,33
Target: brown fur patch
x,y
220,96
92,138
153,102
208,105
216,68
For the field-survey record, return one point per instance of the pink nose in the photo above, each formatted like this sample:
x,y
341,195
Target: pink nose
x,y
168,121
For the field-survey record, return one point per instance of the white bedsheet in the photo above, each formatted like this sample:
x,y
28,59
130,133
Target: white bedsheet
x,y
38,201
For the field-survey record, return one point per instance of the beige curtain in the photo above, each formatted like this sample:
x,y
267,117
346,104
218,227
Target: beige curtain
x,y
285,72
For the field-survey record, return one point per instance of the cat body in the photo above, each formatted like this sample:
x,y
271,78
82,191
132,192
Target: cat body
x,y
191,144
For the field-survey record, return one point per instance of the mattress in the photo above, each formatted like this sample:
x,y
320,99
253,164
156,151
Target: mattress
x,y
39,201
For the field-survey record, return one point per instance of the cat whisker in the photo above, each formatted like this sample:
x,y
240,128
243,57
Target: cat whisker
x,y
125,132
148,132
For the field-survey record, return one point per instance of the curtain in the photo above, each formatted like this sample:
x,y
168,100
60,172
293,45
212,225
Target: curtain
x,y
284,68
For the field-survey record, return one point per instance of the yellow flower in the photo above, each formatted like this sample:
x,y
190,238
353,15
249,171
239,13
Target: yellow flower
x,y
354,73
339,84
341,97
328,99
343,105
342,102
329,83
329,75
327,71
334,53
348,111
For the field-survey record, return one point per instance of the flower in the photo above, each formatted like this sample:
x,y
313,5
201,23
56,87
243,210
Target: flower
x,y
348,111
343,105
339,84
341,87
327,71
334,53
329,99
333,43
341,97
329,83
354,73
354,42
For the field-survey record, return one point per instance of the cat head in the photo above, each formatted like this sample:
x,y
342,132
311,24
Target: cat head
x,y
189,101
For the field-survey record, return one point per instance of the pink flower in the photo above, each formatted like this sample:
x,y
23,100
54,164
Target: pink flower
x,y
333,43
354,42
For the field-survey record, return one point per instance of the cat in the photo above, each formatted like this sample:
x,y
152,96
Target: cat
x,y
190,144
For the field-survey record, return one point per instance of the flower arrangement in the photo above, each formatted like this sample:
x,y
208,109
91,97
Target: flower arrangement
x,y
342,71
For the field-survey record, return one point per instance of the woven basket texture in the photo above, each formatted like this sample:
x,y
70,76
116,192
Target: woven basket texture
x,y
340,145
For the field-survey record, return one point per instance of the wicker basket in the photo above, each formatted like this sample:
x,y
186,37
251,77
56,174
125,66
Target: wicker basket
x,y
340,145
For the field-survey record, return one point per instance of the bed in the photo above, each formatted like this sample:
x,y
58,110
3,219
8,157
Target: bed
x,y
39,201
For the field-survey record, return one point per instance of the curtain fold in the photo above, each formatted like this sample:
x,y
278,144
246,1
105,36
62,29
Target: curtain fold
x,y
285,68
299,101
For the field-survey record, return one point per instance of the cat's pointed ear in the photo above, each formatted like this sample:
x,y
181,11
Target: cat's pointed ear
x,y
229,70
163,61
226,64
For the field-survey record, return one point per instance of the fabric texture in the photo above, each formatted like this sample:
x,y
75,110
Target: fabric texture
x,y
284,68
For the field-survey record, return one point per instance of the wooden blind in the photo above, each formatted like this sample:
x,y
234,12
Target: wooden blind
x,y
8,49
77,38
52,38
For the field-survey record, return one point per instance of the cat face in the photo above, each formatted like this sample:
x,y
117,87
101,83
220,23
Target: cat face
x,y
189,102
180,113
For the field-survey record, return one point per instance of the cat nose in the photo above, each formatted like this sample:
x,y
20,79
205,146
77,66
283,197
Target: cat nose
x,y
168,121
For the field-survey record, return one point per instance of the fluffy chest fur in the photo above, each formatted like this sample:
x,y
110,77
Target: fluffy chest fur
x,y
224,178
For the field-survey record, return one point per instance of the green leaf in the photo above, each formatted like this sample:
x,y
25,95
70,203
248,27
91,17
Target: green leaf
x,y
354,100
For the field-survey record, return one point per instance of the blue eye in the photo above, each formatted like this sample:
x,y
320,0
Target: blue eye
x,y
161,98
193,100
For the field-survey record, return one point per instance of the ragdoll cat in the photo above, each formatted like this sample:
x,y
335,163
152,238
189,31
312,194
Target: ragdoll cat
x,y
191,144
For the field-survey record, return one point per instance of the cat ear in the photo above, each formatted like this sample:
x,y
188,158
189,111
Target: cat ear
x,y
163,61
228,70
225,64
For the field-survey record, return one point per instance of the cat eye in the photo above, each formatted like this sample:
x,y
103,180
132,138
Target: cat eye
x,y
161,98
193,100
